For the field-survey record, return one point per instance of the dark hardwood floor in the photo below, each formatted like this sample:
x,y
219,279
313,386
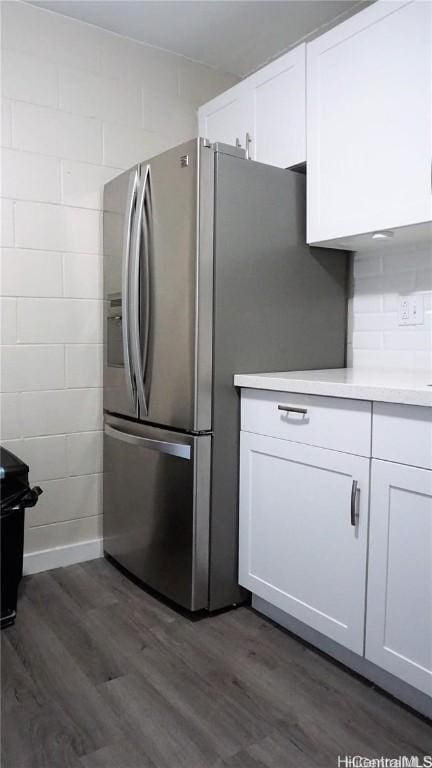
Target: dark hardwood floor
x,y
97,673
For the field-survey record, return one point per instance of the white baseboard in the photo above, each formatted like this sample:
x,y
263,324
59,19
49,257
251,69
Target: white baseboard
x,y
46,559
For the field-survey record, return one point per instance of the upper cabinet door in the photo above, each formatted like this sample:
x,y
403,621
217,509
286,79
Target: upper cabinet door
x,y
369,122
278,93
228,117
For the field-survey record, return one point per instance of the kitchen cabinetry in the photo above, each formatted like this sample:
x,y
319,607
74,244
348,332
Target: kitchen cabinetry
x,y
399,599
228,117
303,533
369,130
336,493
266,111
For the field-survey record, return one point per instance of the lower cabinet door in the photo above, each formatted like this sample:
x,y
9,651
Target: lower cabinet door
x,y
399,599
303,533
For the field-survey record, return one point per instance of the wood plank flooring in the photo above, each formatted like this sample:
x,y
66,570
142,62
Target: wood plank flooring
x,y
97,673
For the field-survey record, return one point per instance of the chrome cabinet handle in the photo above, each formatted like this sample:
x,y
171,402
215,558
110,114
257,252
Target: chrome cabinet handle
x,y
248,142
292,408
173,449
127,236
354,490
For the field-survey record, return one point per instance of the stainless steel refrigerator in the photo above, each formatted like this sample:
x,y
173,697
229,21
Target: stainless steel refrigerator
x,y
206,273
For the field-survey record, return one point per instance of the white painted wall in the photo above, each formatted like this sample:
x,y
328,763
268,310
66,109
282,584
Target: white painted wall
x,y
379,278
79,105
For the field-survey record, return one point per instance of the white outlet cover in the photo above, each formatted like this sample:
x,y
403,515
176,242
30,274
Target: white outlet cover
x,y
411,309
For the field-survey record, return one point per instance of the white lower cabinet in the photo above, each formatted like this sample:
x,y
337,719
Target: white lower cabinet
x,y
399,601
299,550
303,533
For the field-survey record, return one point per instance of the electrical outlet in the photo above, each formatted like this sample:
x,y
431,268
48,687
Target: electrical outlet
x,y
411,309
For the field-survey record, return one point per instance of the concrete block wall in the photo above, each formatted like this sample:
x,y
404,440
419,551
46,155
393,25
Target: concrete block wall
x,y
79,105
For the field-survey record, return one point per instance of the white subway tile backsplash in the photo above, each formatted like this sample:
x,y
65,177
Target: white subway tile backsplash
x,y
8,316
125,145
10,416
29,78
379,321
31,367
365,301
84,365
367,266
423,360
27,176
61,412
59,321
31,273
410,339
66,499
424,280
367,340
7,222
373,358
6,123
82,183
100,97
63,533
84,453
56,133
46,457
407,260
405,270
57,228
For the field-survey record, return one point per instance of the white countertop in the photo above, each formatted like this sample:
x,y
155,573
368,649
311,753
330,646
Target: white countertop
x,y
385,385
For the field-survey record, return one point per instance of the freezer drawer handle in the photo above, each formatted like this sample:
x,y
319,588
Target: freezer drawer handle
x,y
174,449
292,409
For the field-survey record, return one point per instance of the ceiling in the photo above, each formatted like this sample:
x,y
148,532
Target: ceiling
x,y
237,36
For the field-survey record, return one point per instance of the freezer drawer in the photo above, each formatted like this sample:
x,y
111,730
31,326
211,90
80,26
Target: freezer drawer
x,y
157,507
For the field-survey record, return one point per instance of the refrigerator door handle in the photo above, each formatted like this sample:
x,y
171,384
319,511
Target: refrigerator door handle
x,y
140,305
174,449
127,237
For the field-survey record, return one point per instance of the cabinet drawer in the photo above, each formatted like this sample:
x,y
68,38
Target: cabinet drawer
x,y
329,422
402,433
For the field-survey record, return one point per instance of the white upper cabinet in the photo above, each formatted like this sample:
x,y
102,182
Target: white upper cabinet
x,y
266,112
278,93
369,131
228,117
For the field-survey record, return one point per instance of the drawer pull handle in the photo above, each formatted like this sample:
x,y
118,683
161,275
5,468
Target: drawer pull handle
x,y
292,409
354,490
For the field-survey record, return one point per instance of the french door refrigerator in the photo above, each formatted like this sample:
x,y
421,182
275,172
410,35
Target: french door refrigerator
x,y
206,273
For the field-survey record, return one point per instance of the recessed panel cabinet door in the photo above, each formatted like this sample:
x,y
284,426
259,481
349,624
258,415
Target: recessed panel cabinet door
x,y
369,131
399,601
228,117
279,110
299,548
